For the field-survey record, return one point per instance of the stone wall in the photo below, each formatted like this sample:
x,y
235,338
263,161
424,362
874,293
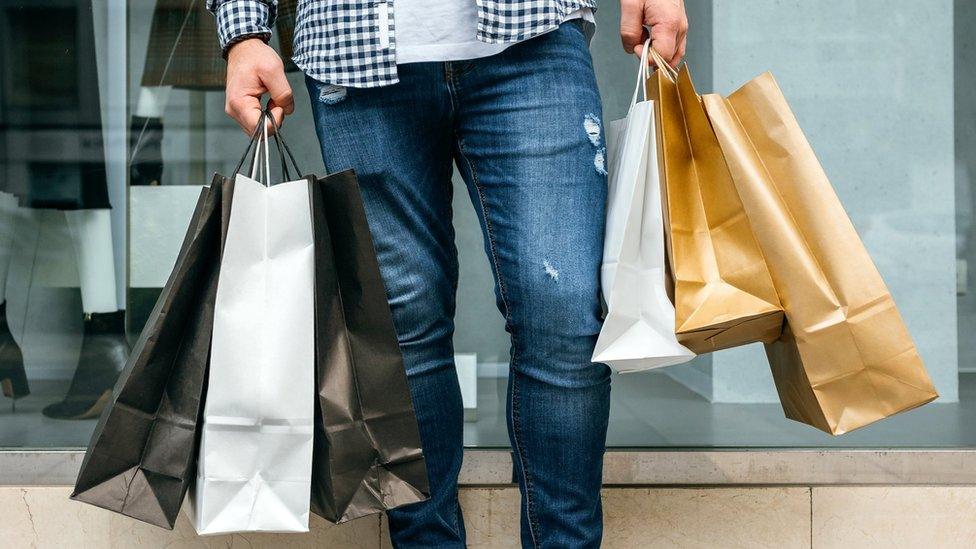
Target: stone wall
x,y
780,517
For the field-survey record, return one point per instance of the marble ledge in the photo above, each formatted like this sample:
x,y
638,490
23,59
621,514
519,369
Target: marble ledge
x,y
487,468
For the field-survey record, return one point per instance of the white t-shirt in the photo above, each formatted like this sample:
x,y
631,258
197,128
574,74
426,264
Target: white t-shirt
x,y
444,30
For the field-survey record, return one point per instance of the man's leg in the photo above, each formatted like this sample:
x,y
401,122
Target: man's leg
x,y
399,141
530,145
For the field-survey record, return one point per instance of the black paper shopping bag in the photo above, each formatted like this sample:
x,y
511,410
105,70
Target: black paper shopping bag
x,y
142,455
367,455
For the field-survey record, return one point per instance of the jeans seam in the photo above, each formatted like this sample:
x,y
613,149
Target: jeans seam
x,y
457,511
516,418
523,466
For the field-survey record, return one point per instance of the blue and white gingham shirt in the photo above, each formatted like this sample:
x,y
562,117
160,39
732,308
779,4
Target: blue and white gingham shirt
x,y
351,42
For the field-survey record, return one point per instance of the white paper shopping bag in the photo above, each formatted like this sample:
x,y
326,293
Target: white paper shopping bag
x,y
638,331
255,460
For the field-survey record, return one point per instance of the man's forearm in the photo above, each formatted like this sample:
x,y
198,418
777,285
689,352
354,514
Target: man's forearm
x,y
241,19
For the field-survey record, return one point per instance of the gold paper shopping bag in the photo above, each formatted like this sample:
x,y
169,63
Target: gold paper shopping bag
x,y
846,358
723,293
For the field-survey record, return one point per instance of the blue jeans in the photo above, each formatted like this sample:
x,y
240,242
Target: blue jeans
x,y
524,129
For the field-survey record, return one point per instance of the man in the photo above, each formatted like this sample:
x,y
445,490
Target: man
x,y
505,90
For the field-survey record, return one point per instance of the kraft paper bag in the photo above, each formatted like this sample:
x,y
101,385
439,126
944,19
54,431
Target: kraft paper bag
x,y
368,456
723,292
638,328
255,460
142,455
846,358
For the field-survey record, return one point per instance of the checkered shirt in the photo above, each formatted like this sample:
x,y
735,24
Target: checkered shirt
x,y
351,42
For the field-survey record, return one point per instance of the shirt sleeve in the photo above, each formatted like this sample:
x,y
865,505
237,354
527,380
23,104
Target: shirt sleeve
x,y
239,19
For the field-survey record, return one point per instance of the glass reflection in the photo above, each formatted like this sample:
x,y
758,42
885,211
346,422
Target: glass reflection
x,y
60,349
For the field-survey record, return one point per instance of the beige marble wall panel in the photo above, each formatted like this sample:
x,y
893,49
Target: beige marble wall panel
x,y
892,517
44,518
718,517
862,517
661,517
491,517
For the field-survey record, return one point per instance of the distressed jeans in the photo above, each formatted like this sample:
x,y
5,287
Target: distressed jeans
x,y
524,129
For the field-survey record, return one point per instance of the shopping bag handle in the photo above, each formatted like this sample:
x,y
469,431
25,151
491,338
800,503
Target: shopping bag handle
x,y
283,149
642,71
263,144
641,75
250,143
670,72
256,158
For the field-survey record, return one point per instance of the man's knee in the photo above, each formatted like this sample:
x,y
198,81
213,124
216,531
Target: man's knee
x,y
555,325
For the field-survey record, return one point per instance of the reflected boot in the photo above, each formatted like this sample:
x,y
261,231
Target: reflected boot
x,y
13,377
146,167
104,351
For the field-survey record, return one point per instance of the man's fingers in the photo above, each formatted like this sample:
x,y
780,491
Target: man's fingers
x,y
631,25
664,40
246,110
680,54
278,113
253,69
277,83
250,119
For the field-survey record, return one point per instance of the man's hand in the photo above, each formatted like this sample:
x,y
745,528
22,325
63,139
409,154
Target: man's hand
x,y
668,22
254,68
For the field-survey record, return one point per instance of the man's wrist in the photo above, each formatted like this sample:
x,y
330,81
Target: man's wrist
x,y
262,37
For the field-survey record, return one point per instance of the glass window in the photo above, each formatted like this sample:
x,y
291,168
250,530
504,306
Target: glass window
x,y
895,135
111,118
62,217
